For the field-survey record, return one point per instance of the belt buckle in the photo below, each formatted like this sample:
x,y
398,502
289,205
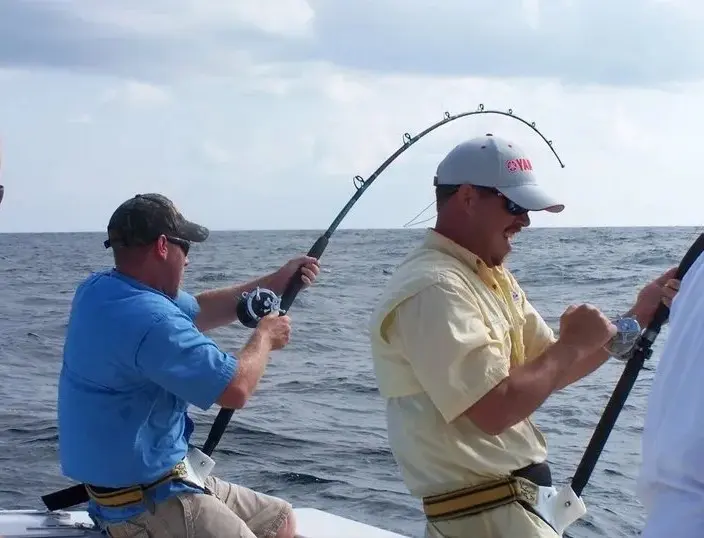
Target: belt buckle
x,y
180,470
526,490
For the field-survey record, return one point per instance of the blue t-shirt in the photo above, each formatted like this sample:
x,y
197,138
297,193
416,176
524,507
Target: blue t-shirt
x,y
133,362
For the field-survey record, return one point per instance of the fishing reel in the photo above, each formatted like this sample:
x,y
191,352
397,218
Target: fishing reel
x,y
621,345
256,304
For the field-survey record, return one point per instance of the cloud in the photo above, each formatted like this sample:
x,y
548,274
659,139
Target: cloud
x,y
137,94
630,42
231,107
639,42
163,40
286,18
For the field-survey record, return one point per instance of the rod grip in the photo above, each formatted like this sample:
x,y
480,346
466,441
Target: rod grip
x,y
295,285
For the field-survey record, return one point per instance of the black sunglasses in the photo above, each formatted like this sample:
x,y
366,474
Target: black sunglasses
x,y
512,207
185,245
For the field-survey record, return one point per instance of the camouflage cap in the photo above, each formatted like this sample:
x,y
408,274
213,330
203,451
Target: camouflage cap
x,y
142,219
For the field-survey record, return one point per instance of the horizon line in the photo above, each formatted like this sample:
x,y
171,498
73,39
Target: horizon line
x,y
322,230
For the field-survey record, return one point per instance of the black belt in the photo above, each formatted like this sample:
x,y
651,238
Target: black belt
x,y
109,496
538,473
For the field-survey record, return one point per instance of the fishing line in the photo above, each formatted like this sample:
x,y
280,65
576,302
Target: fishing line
x,y
260,302
410,222
423,221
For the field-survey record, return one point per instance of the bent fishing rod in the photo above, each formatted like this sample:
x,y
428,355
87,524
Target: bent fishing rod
x,y
641,351
258,303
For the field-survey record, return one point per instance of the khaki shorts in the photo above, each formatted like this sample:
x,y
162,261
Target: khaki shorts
x,y
510,521
232,511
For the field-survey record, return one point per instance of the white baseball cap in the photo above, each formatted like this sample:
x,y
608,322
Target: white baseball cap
x,y
489,161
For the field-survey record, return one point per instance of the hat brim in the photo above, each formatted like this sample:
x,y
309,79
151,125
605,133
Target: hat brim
x,y
532,198
190,231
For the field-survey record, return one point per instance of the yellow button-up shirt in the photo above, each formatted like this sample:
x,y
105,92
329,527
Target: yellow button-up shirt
x,y
446,330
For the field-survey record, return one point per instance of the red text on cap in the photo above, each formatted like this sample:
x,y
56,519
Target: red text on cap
x,y
514,165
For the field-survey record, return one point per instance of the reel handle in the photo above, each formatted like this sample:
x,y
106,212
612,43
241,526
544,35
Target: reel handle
x,y
256,304
621,345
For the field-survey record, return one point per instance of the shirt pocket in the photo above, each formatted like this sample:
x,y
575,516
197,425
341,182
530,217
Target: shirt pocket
x,y
499,328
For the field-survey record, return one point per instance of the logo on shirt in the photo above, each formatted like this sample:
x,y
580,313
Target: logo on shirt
x,y
515,296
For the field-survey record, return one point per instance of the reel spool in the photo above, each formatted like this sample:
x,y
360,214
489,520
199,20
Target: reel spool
x,y
256,304
621,345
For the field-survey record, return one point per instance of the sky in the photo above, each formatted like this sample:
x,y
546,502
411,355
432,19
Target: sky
x,y
257,115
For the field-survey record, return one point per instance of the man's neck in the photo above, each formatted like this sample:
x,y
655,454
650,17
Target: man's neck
x,y
139,275
464,241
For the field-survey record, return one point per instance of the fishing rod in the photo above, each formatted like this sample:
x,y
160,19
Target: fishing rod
x,y
258,303
640,353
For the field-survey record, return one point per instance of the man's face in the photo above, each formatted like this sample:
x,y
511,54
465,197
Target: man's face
x,y
494,220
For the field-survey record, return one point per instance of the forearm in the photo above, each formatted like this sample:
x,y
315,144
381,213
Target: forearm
x,y
582,368
252,360
529,385
218,306
524,390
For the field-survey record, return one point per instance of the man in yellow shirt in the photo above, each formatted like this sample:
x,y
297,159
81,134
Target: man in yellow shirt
x,y
463,359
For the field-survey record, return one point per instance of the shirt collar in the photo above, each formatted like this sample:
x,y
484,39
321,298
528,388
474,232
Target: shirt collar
x,y
441,243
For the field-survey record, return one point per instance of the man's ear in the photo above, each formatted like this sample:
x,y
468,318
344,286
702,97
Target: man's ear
x,y
467,195
161,247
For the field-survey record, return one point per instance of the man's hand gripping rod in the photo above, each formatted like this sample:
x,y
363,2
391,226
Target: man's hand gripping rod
x,y
562,508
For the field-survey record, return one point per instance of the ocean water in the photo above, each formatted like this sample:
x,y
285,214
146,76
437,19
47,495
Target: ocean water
x,y
314,433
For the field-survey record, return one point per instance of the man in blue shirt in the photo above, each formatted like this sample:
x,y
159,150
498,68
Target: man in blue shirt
x,y
135,357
